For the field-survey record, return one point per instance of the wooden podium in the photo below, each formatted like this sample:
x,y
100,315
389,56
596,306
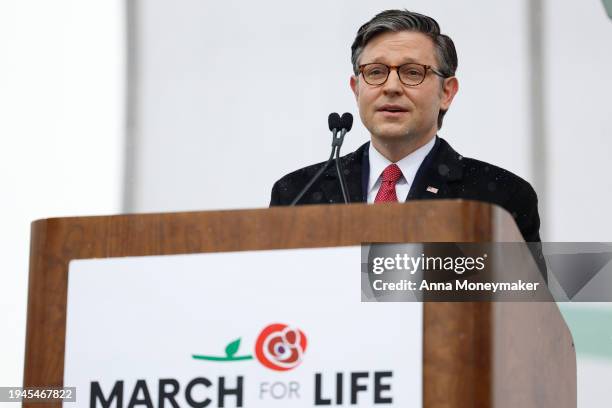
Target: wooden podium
x,y
474,354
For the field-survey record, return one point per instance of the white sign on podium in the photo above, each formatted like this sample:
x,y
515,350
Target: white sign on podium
x,y
282,328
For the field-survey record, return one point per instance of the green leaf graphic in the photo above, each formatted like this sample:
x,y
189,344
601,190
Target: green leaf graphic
x,y
232,348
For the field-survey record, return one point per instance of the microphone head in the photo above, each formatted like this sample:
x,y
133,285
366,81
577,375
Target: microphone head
x,y
334,121
346,121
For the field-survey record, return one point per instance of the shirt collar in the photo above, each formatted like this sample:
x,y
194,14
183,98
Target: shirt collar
x,y
409,165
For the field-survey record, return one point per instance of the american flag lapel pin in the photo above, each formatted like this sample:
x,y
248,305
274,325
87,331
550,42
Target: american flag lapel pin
x,y
432,190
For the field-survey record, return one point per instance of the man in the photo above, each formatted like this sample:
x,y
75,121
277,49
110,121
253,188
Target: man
x,y
404,83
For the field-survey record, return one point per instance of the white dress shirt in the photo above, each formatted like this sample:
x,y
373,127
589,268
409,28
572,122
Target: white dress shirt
x,y
408,165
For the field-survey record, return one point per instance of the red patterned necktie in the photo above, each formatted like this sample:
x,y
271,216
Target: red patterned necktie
x,y
386,192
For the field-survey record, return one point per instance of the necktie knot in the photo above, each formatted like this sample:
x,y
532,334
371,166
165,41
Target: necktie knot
x,y
386,192
391,174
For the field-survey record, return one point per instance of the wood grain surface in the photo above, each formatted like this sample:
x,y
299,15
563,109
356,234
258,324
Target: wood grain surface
x,y
475,354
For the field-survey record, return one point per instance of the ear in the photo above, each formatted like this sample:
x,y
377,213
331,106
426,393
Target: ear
x,y
355,85
450,87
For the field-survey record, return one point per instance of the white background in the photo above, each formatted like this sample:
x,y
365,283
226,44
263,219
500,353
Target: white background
x,y
62,133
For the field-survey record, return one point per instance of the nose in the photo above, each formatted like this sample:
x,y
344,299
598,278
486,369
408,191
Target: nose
x,y
393,84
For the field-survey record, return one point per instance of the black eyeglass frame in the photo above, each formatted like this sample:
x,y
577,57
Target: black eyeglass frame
x,y
397,70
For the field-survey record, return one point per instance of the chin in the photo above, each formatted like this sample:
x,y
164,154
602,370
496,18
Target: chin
x,y
393,133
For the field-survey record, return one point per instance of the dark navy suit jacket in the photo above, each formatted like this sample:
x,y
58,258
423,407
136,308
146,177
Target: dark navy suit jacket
x,y
443,168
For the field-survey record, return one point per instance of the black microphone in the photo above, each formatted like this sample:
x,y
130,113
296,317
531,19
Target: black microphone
x,y
335,125
334,121
346,123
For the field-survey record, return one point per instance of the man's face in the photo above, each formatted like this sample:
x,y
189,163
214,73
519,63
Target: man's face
x,y
416,120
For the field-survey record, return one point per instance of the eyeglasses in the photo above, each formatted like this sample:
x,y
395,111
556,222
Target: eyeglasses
x,y
411,74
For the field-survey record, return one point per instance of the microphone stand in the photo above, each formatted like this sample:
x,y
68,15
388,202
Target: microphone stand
x,y
336,123
319,173
337,143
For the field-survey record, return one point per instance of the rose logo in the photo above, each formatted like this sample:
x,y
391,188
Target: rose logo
x,y
280,347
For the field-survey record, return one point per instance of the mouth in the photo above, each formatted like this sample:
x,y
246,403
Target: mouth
x,y
392,111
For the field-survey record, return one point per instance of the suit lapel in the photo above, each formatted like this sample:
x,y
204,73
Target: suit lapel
x,y
438,173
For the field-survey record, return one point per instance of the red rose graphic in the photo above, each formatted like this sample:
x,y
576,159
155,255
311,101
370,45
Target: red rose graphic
x,y
280,347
